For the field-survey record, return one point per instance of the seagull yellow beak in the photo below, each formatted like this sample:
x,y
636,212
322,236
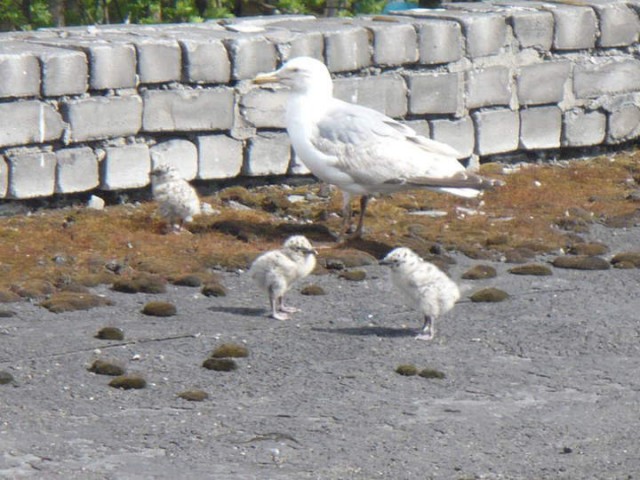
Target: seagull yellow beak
x,y
262,78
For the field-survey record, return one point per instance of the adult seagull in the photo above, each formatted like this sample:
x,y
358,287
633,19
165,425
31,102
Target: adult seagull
x,y
360,150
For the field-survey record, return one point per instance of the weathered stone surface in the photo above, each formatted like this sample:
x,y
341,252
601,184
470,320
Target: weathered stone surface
x,y
187,110
264,108
576,27
103,117
436,93
619,24
542,82
19,71
540,127
205,60
268,154
76,170
533,29
159,60
624,123
31,174
29,122
497,131
181,154
125,167
219,156
584,128
439,41
4,177
251,55
384,93
393,43
459,134
488,87
610,77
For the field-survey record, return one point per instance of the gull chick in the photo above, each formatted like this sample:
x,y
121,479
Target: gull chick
x,y
360,150
177,201
427,287
276,271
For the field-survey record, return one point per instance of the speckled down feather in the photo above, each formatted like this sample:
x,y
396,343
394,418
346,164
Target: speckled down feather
x,y
178,201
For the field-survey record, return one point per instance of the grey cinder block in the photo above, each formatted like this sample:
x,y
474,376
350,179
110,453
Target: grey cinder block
x,y
394,44
436,93
488,87
347,48
497,131
159,60
486,33
205,60
615,75
31,174
624,123
619,24
268,154
542,82
251,55
125,167
265,107
103,117
297,167
384,93
439,41
19,71
179,153
64,72
533,29
459,134
29,122
187,110
582,128
540,128
76,170
219,156
303,44
4,177
576,27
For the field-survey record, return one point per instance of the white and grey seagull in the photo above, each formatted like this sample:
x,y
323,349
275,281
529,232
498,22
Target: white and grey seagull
x,y
360,150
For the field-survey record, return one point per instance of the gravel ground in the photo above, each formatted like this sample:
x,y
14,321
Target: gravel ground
x,y
542,385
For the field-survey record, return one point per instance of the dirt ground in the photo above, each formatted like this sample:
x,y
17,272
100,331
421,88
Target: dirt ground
x,y
544,385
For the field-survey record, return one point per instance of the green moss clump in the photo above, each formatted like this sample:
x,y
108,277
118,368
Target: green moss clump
x,y
72,301
160,309
5,378
312,290
629,258
489,295
34,289
590,249
220,364
107,367
189,280
531,269
194,395
431,373
230,350
128,382
348,258
142,282
7,296
110,333
7,313
581,262
214,289
407,370
479,272
353,275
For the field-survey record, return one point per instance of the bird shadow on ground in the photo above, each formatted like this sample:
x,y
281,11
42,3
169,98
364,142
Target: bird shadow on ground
x,y
386,332
247,231
244,311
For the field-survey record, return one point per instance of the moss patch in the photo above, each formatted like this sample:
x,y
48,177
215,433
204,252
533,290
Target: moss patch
x,y
194,395
214,289
353,275
107,367
407,370
141,283
71,301
312,290
479,272
589,249
5,378
7,296
128,382
628,258
220,364
581,262
110,333
160,309
489,295
230,350
431,373
531,269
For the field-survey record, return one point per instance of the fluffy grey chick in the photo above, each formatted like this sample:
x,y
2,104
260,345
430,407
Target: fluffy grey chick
x,y
177,201
276,271
427,287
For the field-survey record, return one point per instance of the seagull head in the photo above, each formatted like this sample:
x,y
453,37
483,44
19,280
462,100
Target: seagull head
x,y
299,243
301,75
398,257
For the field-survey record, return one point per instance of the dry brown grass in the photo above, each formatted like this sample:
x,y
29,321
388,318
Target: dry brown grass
x,y
74,245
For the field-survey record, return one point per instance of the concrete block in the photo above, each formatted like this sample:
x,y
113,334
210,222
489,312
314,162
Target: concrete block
x,y
540,127
219,156
394,44
19,71
347,48
497,131
187,110
125,167
532,29
76,170
542,82
4,177
251,55
159,60
619,24
439,41
436,93
582,128
459,134
624,124
485,33
268,154
297,167
64,72
264,107
302,44
111,65
384,93
31,174
205,60
576,27
179,153
488,87
421,127
613,76
28,122
103,117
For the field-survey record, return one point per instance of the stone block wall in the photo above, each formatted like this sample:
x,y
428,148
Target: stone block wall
x,y
96,108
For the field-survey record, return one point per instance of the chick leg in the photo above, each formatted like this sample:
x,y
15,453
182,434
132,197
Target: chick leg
x,y
346,215
364,200
275,301
428,329
284,308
